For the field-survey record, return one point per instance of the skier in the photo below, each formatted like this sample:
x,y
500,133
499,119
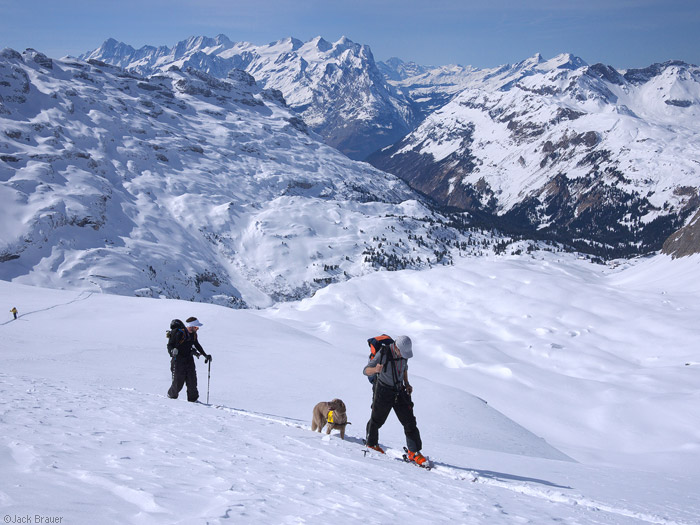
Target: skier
x,y
182,346
14,312
392,390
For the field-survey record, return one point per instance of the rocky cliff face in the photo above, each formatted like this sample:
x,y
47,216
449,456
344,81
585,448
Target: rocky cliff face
x,y
685,241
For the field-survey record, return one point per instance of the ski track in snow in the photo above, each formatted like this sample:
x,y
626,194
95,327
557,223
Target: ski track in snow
x,y
484,477
82,296
81,460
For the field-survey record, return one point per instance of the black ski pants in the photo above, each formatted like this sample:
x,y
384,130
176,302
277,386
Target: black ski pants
x,y
384,400
184,371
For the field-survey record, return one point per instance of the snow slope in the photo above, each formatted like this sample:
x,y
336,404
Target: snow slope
x,y
560,385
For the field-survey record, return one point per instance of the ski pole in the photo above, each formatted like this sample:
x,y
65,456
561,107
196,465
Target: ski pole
x,y
208,381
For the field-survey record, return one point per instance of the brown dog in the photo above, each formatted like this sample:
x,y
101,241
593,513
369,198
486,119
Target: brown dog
x,y
320,417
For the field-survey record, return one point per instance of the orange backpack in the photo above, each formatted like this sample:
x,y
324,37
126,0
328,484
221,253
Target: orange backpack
x,y
376,344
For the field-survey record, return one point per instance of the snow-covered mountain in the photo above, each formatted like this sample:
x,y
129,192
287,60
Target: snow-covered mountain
x,y
187,186
605,160
336,87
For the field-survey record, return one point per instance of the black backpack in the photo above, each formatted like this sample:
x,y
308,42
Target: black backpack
x,y
175,325
379,344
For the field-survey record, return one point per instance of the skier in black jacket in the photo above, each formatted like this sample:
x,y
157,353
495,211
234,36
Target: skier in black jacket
x,y
182,347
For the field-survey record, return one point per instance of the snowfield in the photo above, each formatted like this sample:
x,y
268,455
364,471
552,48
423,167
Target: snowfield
x,y
547,389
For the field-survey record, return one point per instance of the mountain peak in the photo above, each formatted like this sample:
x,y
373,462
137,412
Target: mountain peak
x,y
394,62
531,62
567,61
321,44
223,40
290,41
116,48
344,41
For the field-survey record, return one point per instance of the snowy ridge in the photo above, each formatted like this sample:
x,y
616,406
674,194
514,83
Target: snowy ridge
x,y
187,186
88,426
334,86
431,87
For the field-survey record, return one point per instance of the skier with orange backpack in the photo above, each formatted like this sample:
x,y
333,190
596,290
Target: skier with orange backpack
x,y
388,371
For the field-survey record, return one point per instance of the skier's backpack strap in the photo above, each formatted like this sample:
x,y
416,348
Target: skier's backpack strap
x,y
380,344
176,325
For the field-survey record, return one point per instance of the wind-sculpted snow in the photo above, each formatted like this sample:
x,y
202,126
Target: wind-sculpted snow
x,y
188,186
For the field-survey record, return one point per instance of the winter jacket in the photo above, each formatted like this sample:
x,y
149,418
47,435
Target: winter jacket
x,y
185,343
392,374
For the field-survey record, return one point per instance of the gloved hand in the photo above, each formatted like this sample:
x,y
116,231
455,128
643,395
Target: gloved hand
x,y
207,358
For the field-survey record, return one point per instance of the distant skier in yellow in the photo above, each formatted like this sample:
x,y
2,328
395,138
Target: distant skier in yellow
x,y
14,312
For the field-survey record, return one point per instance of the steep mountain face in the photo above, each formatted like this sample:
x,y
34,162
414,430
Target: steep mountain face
x,y
336,88
607,161
188,186
685,241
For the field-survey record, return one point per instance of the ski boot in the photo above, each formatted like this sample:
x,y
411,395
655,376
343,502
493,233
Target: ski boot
x,y
417,458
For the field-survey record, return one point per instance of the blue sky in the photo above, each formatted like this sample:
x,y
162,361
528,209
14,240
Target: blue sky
x,y
482,33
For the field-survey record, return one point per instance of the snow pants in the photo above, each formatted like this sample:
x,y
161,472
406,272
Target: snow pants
x,y
384,400
184,372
